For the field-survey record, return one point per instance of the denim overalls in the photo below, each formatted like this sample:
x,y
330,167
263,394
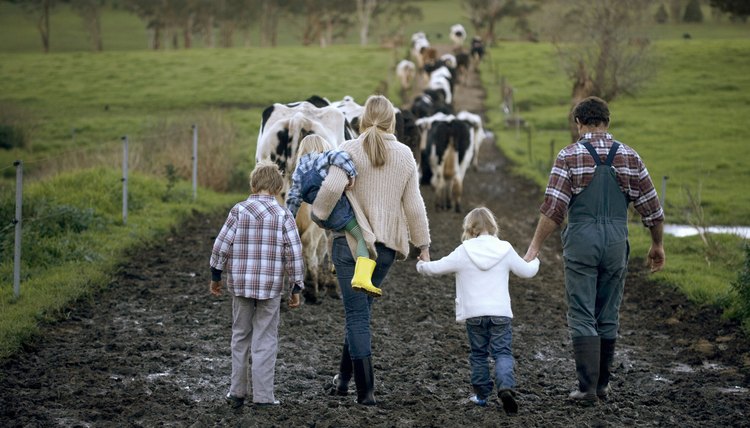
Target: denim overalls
x,y
595,252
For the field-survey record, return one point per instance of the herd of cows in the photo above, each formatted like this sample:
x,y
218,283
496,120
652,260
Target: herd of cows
x,y
445,143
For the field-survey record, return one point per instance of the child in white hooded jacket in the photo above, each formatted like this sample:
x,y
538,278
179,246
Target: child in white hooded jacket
x,y
482,264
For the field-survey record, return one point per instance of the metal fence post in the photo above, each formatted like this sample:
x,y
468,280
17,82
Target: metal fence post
x,y
195,162
125,180
17,250
664,190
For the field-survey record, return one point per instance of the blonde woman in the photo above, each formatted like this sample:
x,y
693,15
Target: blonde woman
x,y
482,264
390,211
315,157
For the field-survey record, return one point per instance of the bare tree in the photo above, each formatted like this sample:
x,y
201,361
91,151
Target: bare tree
x,y
38,10
675,10
90,12
601,50
365,12
485,15
270,12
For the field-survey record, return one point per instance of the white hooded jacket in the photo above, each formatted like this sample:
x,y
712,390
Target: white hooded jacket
x,y
482,266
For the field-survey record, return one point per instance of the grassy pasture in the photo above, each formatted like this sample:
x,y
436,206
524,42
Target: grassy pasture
x,y
688,123
73,232
108,95
699,96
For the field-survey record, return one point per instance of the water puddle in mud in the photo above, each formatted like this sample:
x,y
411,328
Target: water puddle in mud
x,y
683,230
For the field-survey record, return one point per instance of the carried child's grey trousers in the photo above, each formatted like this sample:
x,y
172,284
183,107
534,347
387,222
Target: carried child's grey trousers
x,y
255,327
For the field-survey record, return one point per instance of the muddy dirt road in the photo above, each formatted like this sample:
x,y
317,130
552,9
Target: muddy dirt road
x,y
153,348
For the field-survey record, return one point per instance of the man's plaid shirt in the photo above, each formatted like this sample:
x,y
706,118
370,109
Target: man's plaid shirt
x,y
574,169
257,245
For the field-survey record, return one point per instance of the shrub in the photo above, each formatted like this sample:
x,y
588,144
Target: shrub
x,y
11,137
15,127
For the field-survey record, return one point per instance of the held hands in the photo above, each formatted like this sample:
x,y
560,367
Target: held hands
x,y
531,254
215,288
424,254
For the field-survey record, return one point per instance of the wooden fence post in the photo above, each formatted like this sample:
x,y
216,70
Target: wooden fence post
x,y
17,250
195,162
125,180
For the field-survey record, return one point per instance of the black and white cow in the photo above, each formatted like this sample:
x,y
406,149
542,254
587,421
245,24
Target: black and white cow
x,y
458,35
449,151
477,133
442,79
282,128
406,71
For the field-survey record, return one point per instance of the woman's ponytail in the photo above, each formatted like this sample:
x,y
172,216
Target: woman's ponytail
x,y
377,119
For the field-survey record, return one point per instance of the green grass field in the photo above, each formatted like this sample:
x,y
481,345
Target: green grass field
x,y
687,123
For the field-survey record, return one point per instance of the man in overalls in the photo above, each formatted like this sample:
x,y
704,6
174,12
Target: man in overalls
x,y
593,181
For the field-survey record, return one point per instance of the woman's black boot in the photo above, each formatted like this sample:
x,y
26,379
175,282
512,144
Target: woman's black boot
x,y
364,378
341,380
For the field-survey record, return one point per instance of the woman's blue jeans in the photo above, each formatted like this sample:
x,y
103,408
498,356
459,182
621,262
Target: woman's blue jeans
x,y
358,305
490,336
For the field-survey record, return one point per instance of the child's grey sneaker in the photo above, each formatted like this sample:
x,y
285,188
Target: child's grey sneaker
x,y
478,401
235,402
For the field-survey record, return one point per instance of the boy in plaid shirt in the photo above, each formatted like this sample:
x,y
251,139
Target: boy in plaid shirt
x,y
258,245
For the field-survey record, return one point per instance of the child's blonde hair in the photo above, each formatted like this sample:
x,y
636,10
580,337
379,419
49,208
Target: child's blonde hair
x,y
266,177
479,221
312,143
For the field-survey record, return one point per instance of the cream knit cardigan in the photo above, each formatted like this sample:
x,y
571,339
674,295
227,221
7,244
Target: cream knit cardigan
x,y
386,200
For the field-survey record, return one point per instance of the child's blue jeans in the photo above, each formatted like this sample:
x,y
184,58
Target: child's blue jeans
x,y
490,336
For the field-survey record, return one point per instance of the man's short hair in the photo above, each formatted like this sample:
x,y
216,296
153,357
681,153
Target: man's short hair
x,y
592,111
266,177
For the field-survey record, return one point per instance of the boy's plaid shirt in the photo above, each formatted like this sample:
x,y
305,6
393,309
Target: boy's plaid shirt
x,y
574,169
257,245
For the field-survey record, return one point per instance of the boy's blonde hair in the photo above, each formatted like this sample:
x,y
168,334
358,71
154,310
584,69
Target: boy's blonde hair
x,y
479,221
266,177
311,143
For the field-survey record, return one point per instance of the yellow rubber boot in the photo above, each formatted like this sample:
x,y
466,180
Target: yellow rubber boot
x,y
362,280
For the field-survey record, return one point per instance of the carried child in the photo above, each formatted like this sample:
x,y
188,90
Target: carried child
x,y
482,264
314,157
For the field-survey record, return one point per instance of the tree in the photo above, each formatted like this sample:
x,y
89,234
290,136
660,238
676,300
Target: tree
x,y
693,12
90,12
610,58
485,15
661,16
675,10
736,8
39,11
365,11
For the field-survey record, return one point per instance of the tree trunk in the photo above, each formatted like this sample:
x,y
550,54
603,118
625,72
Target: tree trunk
x,y
156,38
365,9
583,87
210,32
43,25
187,32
